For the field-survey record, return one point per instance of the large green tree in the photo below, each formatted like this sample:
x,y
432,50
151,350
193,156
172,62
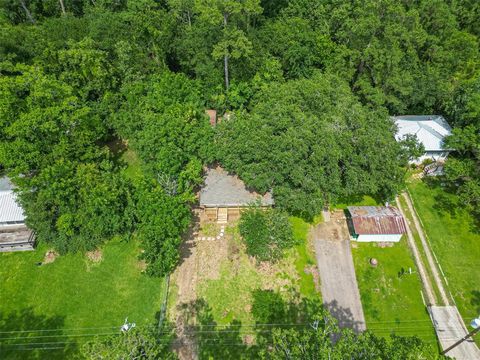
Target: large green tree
x,y
313,143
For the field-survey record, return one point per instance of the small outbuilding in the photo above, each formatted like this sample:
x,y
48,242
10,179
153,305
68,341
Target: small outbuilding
x,y
224,195
14,233
376,223
430,131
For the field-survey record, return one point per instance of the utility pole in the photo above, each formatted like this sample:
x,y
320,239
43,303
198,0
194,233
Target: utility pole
x,y
470,334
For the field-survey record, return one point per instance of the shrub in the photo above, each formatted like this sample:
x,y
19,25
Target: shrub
x,y
266,233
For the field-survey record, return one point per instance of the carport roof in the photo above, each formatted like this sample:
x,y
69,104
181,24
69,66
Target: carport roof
x,y
376,220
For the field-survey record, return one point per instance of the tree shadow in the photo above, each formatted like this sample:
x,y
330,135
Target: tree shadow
x,y
475,301
445,204
199,334
117,148
187,245
26,335
344,317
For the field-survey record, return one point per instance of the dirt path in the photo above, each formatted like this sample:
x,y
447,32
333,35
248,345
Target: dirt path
x,y
427,287
337,274
431,263
200,259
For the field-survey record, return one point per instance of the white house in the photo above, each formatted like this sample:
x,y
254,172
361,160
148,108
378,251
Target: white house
x,y
14,234
430,130
376,223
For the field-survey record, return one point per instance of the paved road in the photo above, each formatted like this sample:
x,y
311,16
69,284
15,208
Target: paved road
x,y
450,328
337,274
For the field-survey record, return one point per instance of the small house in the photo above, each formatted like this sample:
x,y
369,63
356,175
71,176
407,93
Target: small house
x,y
430,130
14,234
224,195
376,223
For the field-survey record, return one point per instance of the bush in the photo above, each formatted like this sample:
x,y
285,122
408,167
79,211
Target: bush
x,y
266,233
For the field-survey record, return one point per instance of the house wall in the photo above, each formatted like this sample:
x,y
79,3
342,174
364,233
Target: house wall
x,y
233,213
379,238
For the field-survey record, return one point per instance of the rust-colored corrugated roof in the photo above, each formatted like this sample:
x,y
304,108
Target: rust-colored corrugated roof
x,y
376,220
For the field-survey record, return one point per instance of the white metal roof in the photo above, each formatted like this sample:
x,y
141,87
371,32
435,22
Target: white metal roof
x,y
429,129
10,210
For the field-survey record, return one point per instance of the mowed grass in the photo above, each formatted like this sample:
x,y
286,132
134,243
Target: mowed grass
x,y
455,242
391,296
74,296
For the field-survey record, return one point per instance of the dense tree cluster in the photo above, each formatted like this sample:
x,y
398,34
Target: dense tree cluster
x,y
309,85
266,232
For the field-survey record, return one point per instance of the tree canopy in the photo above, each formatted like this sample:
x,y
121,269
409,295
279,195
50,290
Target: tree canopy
x,y
307,88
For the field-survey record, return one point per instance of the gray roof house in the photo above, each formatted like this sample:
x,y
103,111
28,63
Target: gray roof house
x,y
223,195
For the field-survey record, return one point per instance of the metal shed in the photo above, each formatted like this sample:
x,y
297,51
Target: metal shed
x,y
376,223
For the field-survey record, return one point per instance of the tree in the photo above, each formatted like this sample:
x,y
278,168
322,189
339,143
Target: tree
x,y
230,14
266,232
162,220
313,143
146,343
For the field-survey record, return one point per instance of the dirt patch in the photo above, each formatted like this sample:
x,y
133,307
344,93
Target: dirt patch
x,y
50,256
142,265
95,256
312,269
248,340
385,244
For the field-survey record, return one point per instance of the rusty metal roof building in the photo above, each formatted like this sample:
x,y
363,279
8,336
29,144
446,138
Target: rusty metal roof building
x,y
377,220
222,189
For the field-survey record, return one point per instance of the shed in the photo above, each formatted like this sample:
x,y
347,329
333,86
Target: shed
x,y
376,223
224,195
14,234
430,130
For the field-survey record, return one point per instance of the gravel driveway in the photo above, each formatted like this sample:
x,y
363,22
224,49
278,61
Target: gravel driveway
x,y
338,282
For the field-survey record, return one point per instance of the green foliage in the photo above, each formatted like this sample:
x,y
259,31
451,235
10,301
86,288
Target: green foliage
x,y
412,149
266,233
313,143
268,307
163,219
316,344
147,343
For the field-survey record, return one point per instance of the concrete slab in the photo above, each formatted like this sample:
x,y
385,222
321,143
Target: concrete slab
x,y
449,327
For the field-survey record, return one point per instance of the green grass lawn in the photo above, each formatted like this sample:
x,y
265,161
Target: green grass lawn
x,y
455,242
391,302
73,293
421,250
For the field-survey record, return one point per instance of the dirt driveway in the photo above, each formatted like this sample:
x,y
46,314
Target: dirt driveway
x,y
337,274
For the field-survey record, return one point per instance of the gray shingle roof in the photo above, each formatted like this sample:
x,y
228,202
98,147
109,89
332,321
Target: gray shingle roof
x,y
222,189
